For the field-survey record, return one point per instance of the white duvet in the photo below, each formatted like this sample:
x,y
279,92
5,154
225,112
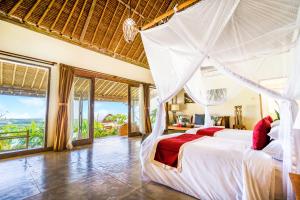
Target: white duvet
x,y
219,168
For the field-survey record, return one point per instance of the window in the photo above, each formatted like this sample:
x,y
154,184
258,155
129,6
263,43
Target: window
x,y
23,106
81,108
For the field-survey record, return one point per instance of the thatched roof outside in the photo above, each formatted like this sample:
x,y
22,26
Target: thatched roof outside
x,y
105,90
93,24
23,80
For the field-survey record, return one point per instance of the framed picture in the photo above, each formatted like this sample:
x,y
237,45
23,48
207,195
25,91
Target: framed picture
x,y
187,98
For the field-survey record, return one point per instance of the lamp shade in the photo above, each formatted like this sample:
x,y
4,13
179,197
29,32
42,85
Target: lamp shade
x,y
175,107
297,122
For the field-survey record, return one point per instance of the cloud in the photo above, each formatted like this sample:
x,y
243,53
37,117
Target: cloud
x,y
36,102
100,114
11,115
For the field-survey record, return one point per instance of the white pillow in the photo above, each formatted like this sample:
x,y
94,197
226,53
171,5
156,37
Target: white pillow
x,y
275,123
274,149
274,133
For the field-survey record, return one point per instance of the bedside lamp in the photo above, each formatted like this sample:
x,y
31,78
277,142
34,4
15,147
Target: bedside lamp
x,y
174,109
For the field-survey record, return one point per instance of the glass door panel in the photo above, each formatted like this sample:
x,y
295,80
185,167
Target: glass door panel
x,y
134,110
81,108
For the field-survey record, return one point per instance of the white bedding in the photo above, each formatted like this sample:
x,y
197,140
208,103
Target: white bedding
x,y
245,135
214,168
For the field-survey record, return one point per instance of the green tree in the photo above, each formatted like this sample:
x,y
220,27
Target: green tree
x,y
118,119
153,116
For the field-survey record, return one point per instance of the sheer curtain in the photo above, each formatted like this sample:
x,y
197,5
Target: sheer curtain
x,y
66,77
70,119
235,37
141,109
171,72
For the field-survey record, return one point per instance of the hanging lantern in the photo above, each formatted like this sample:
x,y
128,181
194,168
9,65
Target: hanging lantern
x,y
129,27
129,30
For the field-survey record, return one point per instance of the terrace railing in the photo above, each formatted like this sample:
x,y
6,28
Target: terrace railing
x,y
16,135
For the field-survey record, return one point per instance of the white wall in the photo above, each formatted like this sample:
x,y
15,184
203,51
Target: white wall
x,y
19,40
238,96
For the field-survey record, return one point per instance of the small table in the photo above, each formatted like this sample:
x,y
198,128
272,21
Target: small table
x,y
295,179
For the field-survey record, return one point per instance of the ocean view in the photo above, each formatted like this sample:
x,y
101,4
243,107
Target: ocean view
x,y
20,122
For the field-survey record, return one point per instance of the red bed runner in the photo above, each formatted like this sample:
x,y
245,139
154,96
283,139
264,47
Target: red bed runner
x,y
208,131
167,150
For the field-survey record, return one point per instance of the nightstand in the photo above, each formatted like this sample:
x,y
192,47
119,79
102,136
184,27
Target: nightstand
x,y
295,179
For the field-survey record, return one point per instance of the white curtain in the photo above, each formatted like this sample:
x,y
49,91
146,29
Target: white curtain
x,y
70,119
236,37
141,109
171,72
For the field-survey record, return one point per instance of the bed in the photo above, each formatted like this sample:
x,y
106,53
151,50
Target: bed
x,y
221,167
244,135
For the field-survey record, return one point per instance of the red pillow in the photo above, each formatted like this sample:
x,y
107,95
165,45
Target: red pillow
x,y
269,118
260,137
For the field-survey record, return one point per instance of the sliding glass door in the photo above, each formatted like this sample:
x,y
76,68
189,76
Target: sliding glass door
x,y
82,109
134,111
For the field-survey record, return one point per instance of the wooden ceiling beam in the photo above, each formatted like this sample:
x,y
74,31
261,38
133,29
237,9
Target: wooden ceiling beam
x,y
169,13
24,77
107,92
134,10
141,55
137,50
78,19
114,14
117,89
31,10
58,15
110,98
117,47
99,22
14,75
121,91
99,87
14,8
69,17
118,26
86,87
36,73
45,13
136,39
83,82
88,19
103,88
75,81
42,81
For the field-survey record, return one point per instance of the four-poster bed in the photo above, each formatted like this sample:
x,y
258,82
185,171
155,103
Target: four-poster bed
x,y
240,38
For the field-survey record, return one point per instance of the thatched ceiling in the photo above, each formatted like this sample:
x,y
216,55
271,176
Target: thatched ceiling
x,y
23,80
105,90
92,24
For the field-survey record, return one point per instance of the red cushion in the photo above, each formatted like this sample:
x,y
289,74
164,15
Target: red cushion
x,y
269,118
260,137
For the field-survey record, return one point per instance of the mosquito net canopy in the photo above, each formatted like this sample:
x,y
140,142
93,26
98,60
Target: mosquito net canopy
x,y
238,38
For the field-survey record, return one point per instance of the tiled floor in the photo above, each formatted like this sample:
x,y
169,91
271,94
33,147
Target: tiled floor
x,y
109,169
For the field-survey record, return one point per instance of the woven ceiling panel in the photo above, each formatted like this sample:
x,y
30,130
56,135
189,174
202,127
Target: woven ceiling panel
x,y
92,24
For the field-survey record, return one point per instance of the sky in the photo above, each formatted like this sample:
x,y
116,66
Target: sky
x,y
104,108
20,107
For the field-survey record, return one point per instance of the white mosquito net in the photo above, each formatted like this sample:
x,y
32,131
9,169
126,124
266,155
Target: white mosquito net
x,y
239,38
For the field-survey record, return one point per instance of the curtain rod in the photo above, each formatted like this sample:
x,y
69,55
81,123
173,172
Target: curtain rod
x,y
26,58
169,13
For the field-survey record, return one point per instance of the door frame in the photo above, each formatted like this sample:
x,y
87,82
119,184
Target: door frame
x,y
91,113
93,75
